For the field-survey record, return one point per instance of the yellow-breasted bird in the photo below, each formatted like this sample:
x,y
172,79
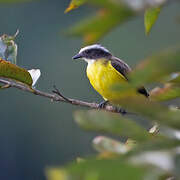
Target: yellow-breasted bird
x,y
104,71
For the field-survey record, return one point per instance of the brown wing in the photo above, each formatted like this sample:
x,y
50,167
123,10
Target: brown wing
x,y
124,69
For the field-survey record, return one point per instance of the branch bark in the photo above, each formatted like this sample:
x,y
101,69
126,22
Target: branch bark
x,y
56,96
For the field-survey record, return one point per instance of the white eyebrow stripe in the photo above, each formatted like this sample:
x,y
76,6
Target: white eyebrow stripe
x,y
94,46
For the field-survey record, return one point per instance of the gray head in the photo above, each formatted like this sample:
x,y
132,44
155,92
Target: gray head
x,y
93,52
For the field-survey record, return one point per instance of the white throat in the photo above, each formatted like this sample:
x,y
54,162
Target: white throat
x,y
89,61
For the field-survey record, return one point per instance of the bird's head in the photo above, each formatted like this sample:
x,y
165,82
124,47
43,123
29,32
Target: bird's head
x,y
93,52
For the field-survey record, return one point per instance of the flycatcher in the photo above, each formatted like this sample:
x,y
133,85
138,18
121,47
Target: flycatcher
x,y
104,71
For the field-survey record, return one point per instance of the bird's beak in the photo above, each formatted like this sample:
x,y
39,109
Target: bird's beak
x,y
77,56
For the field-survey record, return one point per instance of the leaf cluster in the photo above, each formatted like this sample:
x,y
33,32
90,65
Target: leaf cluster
x,y
111,14
147,152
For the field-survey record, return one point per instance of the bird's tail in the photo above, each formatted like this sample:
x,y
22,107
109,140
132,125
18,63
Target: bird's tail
x,y
143,91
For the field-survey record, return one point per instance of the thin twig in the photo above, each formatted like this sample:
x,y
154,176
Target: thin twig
x,y
56,96
56,91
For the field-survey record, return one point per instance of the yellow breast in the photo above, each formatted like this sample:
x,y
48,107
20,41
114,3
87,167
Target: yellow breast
x,y
102,75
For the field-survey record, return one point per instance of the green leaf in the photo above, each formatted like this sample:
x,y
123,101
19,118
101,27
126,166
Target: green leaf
x,y
150,18
157,67
152,110
107,4
156,145
14,72
111,123
93,169
74,4
94,28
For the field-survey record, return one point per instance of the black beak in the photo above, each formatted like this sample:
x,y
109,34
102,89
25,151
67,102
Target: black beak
x,y
77,56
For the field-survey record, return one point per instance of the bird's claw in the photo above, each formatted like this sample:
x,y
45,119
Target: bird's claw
x,y
121,111
102,104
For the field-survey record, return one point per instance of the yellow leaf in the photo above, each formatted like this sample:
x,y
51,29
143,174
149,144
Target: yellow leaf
x,y
74,4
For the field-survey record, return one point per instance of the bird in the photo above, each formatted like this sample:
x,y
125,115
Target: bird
x,y
104,71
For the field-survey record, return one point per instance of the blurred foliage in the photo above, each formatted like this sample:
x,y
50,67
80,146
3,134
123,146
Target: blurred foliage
x,y
8,47
143,154
168,92
117,125
150,18
106,145
75,4
99,169
154,111
108,16
104,20
155,69
111,14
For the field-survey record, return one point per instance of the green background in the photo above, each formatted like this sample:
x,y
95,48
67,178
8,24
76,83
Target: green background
x,y
36,133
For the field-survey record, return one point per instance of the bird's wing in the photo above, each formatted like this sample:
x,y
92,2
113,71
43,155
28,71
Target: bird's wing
x,y
120,66
124,69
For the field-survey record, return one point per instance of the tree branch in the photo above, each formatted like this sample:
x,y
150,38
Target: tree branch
x,y
56,96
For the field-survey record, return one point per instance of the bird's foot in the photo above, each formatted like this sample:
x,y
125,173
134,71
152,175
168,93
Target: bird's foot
x,y
121,111
102,104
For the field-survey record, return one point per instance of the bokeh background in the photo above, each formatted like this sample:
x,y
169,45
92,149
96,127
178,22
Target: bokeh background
x,y
36,133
